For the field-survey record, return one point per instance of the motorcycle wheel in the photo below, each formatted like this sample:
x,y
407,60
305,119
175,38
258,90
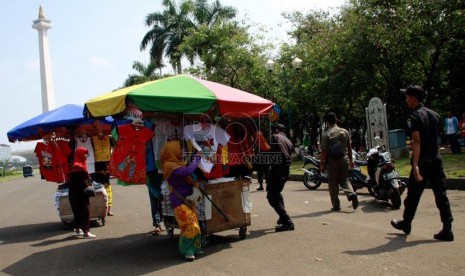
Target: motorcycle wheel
x,y
312,181
372,192
396,200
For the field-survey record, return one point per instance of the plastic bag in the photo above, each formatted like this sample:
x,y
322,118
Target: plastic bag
x,y
196,197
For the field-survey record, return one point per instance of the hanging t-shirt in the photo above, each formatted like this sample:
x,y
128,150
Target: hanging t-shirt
x,y
102,149
53,160
206,140
45,155
127,162
83,141
61,153
165,130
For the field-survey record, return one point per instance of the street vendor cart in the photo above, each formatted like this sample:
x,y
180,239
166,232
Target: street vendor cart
x,y
225,206
56,128
180,99
97,206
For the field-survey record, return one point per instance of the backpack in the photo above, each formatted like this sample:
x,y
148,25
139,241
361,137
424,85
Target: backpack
x,y
335,150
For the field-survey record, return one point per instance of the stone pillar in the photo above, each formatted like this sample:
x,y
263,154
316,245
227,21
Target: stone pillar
x,y
48,96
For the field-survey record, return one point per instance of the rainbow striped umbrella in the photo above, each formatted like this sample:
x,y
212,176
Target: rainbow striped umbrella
x,y
180,94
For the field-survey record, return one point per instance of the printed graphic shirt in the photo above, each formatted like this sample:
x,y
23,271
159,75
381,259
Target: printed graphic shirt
x,y
206,140
127,162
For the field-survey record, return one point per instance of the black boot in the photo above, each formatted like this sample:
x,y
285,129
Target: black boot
x,y
402,225
446,233
288,226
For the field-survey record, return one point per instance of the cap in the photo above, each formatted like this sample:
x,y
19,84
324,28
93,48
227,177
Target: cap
x,y
415,91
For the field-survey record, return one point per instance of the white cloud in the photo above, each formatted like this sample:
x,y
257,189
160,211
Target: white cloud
x,y
100,62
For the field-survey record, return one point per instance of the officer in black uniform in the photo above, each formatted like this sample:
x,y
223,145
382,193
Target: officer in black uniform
x,y
424,126
281,148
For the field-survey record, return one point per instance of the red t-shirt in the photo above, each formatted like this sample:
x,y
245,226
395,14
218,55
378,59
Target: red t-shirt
x,y
127,161
48,167
61,152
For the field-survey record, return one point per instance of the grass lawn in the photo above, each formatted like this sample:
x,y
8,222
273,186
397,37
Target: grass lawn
x,y
10,176
454,165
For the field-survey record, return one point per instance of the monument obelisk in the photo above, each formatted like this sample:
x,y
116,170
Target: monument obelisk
x,y
48,96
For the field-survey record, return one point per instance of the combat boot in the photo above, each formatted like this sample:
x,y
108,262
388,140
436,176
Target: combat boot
x,y
402,225
446,233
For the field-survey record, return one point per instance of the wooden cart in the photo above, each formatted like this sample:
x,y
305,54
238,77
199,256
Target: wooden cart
x,y
228,213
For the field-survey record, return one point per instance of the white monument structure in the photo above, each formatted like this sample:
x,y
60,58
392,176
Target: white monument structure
x,y
48,97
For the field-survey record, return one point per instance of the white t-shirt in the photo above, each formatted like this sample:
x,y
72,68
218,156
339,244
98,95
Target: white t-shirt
x,y
206,141
86,142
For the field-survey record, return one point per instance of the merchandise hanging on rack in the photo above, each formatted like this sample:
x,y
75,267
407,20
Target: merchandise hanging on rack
x,y
53,155
127,162
207,138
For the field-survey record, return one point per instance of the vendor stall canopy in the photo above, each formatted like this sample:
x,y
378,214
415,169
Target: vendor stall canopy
x,y
62,122
180,94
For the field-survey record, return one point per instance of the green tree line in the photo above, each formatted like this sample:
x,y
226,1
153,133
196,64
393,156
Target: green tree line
x,y
369,48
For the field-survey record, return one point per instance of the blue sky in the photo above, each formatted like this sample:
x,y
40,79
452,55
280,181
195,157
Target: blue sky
x,y
92,47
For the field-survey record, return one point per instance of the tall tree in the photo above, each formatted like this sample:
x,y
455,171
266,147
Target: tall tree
x,y
171,27
168,30
146,73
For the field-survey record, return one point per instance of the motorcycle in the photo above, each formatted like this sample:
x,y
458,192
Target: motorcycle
x,y
382,181
381,178
313,177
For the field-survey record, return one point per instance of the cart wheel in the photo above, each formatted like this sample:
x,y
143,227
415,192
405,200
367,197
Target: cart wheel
x,y
170,233
205,240
242,232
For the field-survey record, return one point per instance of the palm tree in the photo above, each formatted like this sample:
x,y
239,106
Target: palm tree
x,y
173,25
146,73
212,14
168,31
4,164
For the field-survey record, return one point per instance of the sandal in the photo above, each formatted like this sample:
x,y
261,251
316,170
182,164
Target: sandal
x,y
157,231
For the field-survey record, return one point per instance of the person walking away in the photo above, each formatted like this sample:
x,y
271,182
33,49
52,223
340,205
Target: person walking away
x,y
424,127
181,185
336,155
451,129
261,148
281,149
78,178
462,130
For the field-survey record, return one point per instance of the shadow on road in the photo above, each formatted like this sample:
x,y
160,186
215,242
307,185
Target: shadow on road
x,y
136,254
396,242
30,233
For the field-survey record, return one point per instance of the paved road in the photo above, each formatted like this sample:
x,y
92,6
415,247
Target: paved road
x,y
34,242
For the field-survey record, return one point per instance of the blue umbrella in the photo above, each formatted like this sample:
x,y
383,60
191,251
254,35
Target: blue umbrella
x,y
65,117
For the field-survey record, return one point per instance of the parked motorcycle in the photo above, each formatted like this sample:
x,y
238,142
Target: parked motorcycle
x,y
380,178
313,177
382,181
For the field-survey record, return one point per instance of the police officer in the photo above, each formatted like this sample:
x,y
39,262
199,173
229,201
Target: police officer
x,y
281,148
424,128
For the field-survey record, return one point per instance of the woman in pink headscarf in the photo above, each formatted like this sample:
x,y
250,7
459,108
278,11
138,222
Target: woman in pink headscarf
x,y
78,177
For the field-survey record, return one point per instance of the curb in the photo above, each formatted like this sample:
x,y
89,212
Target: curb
x,y
451,183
